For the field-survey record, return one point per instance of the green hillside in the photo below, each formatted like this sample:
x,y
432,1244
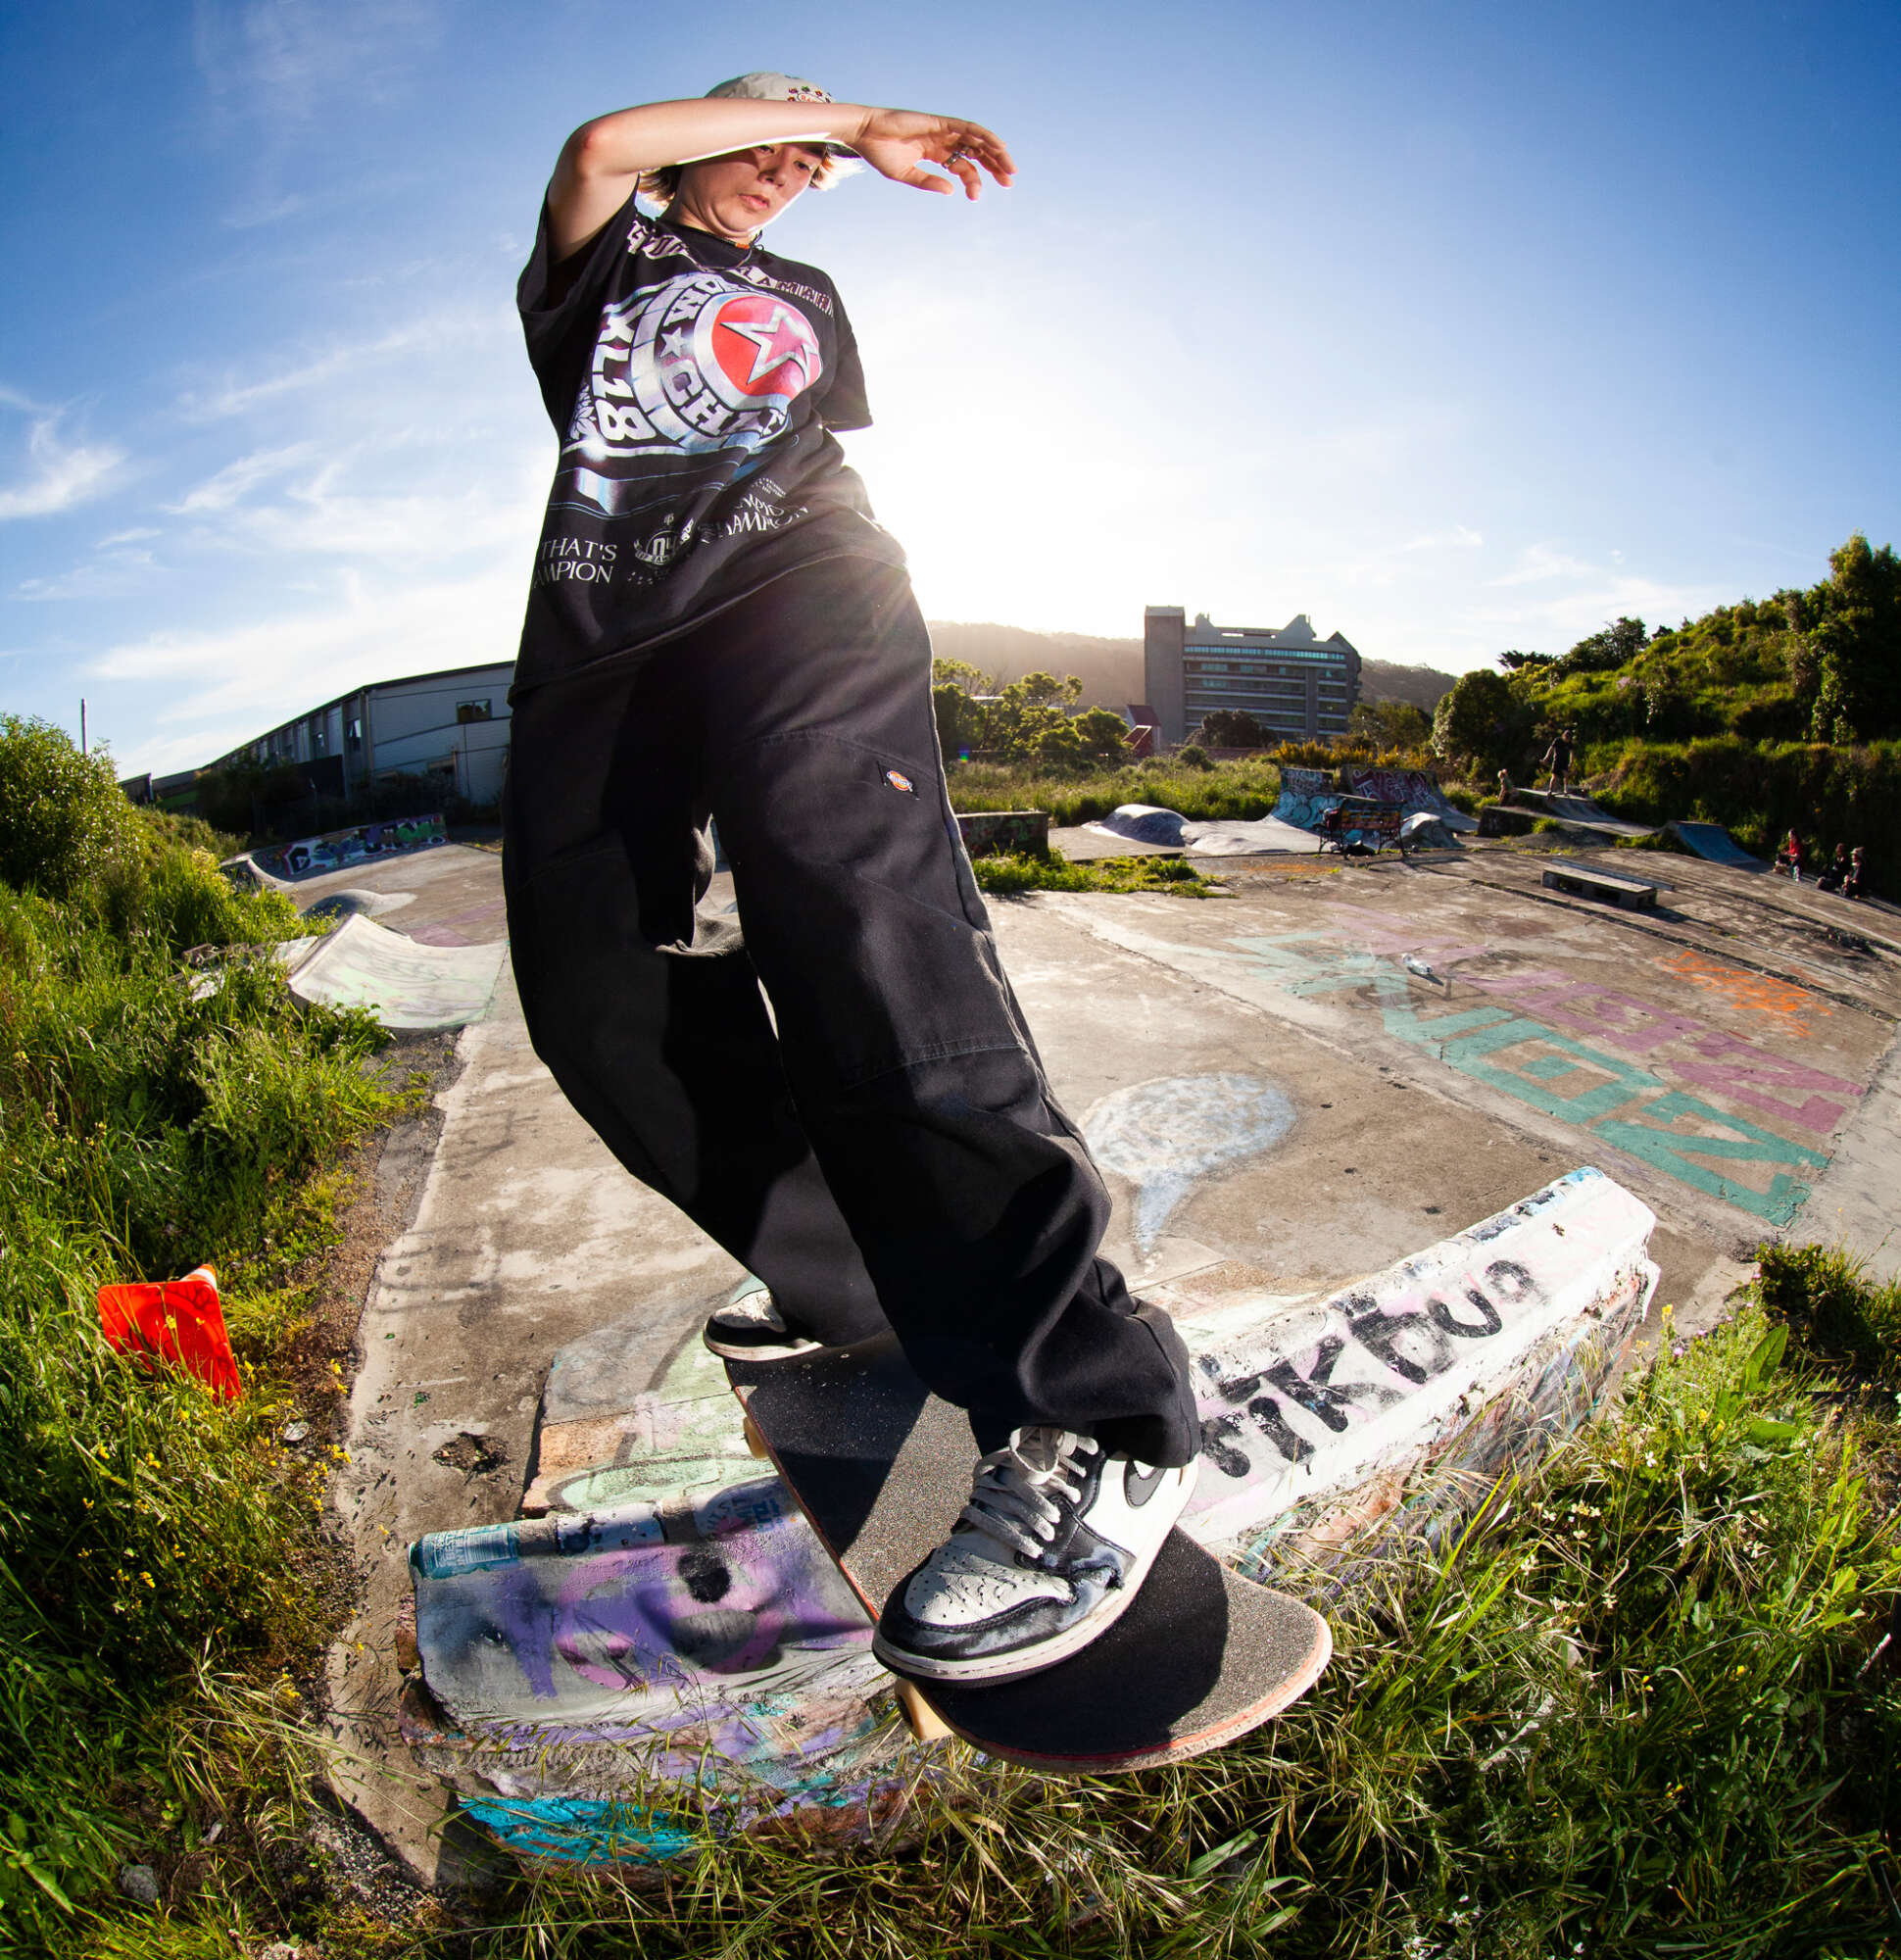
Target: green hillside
x,y
1761,715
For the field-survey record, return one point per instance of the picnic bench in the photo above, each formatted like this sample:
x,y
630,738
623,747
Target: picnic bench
x,y
1362,822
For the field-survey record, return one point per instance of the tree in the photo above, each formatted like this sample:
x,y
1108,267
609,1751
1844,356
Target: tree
x,y
1513,661
1479,721
1028,710
1103,734
1232,728
1854,642
1621,641
1391,724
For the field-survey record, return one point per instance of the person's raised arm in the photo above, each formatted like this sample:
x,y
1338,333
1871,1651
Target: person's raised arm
x,y
602,161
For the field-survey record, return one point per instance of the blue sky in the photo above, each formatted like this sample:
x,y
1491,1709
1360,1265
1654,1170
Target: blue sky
x,y
1456,326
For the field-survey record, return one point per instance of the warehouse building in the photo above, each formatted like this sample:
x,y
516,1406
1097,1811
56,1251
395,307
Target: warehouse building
x,y
450,727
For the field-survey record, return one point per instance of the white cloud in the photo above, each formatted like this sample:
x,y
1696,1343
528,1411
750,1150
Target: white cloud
x,y
226,685
282,60
1540,562
221,491
444,332
61,474
136,536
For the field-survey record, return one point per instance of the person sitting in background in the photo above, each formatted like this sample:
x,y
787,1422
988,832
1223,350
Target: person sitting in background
x,y
1789,858
1832,879
1851,886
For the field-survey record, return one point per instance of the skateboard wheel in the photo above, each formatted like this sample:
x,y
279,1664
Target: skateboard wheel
x,y
754,1442
926,1724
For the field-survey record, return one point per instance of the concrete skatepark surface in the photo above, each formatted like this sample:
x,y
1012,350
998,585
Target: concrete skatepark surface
x,y
1405,1049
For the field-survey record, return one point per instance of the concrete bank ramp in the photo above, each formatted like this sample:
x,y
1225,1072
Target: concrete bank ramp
x,y
412,987
1145,823
1712,841
1582,811
663,1615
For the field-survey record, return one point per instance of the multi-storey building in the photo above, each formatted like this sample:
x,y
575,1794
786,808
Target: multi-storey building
x,y
1292,683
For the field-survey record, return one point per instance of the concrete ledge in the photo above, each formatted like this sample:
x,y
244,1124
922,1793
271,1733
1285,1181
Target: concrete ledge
x,y
1625,892
1025,831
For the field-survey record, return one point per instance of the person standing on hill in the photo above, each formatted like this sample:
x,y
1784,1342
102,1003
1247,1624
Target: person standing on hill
x,y
719,630
1557,759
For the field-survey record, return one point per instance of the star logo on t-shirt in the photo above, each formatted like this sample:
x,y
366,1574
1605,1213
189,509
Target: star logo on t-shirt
x,y
784,335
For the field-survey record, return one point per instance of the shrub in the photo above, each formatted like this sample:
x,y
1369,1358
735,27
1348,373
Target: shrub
x,y
63,817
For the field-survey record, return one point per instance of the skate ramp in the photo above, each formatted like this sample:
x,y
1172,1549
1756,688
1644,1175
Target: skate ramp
x,y
1582,810
1248,840
408,987
1712,842
1305,798
1414,792
662,1612
1144,824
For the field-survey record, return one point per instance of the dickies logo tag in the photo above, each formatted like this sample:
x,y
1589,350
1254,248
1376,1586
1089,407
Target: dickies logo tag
x,y
898,780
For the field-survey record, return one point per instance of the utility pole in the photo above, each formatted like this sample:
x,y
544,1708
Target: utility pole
x,y
82,724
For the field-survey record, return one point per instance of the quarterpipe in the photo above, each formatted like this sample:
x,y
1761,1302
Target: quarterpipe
x,y
1415,793
1712,841
406,985
661,1613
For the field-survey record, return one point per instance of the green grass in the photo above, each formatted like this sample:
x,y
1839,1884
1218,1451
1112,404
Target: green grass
x,y
1007,873
160,1558
1243,790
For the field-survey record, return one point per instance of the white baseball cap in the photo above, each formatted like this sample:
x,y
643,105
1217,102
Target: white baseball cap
x,y
769,86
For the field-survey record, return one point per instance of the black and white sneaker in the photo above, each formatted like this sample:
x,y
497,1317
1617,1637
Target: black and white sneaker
x,y
749,1328
1051,1548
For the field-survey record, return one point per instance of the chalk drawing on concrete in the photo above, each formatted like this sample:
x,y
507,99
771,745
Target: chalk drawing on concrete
x,y
1166,1135
1747,993
1644,1107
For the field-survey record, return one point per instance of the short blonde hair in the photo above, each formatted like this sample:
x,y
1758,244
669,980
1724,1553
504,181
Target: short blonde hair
x,y
663,186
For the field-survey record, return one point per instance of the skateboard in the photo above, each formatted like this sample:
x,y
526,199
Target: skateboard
x,y
881,1468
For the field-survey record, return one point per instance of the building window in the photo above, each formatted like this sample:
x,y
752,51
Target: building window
x,y
473,711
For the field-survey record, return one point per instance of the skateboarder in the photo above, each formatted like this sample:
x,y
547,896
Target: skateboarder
x,y
1557,759
719,631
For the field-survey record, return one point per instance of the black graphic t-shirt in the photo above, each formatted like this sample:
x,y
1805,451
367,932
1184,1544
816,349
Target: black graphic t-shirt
x,y
694,385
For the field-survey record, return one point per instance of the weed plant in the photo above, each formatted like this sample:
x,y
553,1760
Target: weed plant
x,y
157,1548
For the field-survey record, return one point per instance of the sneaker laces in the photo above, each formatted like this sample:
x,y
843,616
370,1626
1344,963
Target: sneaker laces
x,y
1012,1498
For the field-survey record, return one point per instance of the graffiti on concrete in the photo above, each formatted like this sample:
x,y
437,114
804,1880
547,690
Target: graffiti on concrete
x,y
620,1679
1166,1136
1301,1407
676,1439
1655,1108
1413,791
1024,832
336,848
405,985
1306,796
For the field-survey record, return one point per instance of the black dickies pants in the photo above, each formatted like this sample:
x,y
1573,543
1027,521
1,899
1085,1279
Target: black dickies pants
x,y
882,1146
